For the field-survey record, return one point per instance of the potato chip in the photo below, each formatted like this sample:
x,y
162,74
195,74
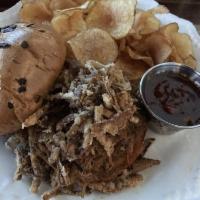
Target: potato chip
x,y
158,47
174,57
132,69
183,44
35,11
168,30
62,4
65,4
115,17
85,7
159,10
79,2
136,44
136,56
94,44
47,2
69,24
182,50
145,23
191,62
140,38
122,44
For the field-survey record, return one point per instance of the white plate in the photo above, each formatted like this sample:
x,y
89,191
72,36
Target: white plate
x,y
178,176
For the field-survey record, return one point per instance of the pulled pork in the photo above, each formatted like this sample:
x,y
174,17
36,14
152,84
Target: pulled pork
x,y
89,135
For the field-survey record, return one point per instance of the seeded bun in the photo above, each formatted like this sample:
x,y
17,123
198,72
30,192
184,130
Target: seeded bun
x,y
31,58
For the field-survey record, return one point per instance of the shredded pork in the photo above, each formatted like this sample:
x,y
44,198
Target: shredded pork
x,y
88,136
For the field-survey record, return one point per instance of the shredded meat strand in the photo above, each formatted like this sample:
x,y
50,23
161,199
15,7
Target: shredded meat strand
x,y
89,135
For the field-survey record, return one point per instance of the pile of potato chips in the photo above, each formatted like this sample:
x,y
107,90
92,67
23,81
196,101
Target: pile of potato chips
x,y
113,31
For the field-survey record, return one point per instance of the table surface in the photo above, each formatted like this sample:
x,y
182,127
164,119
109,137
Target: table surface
x,y
188,9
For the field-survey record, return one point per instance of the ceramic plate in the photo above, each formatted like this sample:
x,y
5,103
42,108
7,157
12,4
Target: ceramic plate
x,y
177,177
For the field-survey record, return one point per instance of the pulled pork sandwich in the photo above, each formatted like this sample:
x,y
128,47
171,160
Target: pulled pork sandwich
x,y
88,136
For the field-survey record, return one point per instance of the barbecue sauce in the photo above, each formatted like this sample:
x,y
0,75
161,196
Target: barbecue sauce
x,y
174,98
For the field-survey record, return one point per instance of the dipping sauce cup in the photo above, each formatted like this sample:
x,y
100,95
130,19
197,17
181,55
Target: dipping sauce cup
x,y
171,94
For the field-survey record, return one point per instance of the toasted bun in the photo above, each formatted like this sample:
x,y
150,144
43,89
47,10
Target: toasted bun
x,y
31,58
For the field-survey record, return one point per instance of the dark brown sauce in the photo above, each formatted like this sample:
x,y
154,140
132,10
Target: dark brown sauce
x,y
174,98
